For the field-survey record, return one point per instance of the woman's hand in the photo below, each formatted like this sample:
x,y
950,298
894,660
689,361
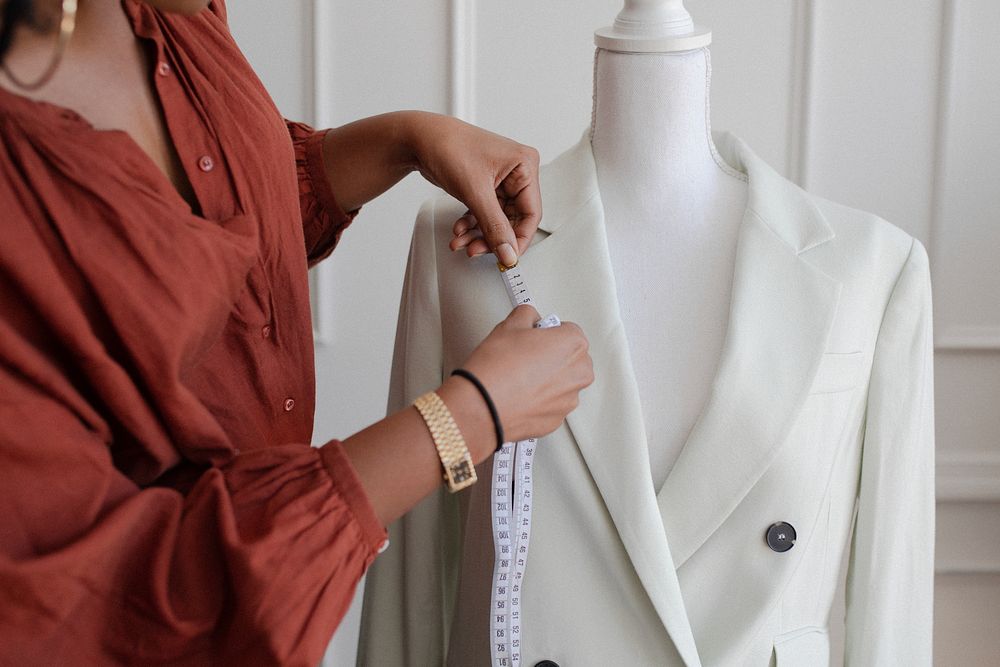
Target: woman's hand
x,y
495,177
533,375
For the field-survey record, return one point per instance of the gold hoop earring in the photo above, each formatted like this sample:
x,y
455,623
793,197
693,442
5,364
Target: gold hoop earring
x,y
67,24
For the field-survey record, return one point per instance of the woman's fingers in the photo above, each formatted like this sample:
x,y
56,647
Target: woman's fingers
x,y
464,240
520,202
534,375
464,224
495,177
522,199
472,242
465,231
498,235
523,317
469,237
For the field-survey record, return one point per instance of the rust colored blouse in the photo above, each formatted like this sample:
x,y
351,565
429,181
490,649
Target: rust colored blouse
x,y
159,500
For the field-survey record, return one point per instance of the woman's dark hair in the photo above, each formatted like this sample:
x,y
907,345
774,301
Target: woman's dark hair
x,y
15,13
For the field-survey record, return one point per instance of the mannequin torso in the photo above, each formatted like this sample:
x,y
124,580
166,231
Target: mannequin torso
x,y
672,209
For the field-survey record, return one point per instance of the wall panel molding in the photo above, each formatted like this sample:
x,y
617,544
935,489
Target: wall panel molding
x,y
968,476
966,539
322,85
943,112
322,74
969,566
971,337
462,54
800,102
964,198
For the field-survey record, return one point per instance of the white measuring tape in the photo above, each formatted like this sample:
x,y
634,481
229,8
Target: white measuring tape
x,y
511,493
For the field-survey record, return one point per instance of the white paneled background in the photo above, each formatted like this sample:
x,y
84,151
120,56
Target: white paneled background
x,y
887,105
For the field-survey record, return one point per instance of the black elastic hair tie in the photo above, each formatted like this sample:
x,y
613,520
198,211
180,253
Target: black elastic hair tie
x,y
461,372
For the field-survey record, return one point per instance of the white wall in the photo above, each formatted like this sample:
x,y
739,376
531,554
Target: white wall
x,y
887,105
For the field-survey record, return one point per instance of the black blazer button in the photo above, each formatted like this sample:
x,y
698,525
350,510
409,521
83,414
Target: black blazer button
x,y
780,537
546,663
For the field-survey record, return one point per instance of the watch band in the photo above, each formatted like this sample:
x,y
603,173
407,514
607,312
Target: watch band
x,y
459,470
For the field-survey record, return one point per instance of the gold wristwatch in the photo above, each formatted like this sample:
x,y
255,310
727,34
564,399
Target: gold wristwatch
x,y
459,470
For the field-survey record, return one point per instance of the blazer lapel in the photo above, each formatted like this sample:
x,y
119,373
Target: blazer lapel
x,y
607,425
781,312
782,309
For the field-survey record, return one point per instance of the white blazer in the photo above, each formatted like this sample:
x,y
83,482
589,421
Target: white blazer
x,y
820,416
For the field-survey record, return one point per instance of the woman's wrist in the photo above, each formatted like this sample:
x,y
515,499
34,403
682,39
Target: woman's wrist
x,y
488,399
365,158
405,128
472,416
414,129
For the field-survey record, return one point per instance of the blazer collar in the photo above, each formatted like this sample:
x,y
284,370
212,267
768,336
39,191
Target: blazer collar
x,y
782,308
570,180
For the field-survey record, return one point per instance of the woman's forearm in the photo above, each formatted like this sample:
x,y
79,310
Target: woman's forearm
x,y
495,177
365,158
396,458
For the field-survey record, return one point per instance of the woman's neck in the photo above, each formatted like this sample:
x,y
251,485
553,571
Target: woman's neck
x,y
651,134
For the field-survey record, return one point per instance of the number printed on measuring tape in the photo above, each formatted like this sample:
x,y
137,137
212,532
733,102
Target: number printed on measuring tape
x,y
511,500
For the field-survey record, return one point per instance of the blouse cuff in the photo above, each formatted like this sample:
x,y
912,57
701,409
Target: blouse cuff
x,y
321,184
323,219
349,487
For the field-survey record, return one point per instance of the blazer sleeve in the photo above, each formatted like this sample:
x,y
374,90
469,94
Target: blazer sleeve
x,y
410,591
890,583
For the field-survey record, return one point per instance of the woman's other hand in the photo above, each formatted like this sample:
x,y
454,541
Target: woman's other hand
x,y
533,375
495,177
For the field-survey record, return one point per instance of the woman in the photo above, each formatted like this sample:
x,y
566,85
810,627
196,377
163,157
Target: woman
x,y
160,500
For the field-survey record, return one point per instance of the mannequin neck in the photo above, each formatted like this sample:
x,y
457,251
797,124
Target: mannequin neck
x,y
651,136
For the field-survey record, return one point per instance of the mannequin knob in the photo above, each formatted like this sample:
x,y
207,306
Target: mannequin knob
x,y
646,17
653,26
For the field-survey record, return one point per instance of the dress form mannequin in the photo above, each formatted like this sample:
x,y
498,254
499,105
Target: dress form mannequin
x,y
817,441
672,209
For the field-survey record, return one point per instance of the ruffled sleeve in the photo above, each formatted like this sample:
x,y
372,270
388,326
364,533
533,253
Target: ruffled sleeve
x,y
256,564
323,220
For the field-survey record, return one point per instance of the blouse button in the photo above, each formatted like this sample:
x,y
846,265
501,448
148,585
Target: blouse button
x,y
163,68
206,163
289,404
266,331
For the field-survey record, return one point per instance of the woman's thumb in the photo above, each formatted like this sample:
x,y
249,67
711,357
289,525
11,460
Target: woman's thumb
x,y
523,317
496,230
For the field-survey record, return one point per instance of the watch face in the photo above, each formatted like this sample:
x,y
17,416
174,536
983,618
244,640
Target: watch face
x,y
461,474
461,471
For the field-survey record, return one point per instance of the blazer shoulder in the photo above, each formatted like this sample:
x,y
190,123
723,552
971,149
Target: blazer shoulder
x,y
865,243
432,232
437,216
